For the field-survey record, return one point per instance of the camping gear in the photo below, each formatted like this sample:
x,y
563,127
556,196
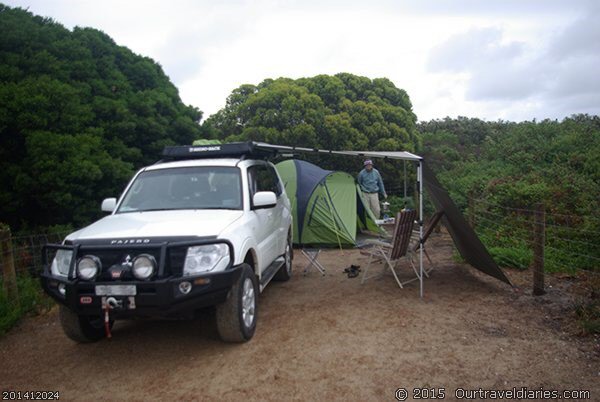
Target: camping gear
x,y
435,219
385,208
392,253
352,271
327,206
312,254
465,238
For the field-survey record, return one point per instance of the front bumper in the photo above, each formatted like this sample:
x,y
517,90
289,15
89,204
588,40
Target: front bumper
x,y
158,297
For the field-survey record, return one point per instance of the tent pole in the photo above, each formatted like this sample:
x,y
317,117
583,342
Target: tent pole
x,y
420,178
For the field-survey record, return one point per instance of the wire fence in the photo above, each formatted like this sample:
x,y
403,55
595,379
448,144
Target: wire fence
x,y
572,242
27,252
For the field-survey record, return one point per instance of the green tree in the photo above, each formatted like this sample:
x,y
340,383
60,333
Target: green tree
x,y
337,112
78,114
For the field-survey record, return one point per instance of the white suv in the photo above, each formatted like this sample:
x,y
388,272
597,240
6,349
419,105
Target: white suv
x,y
206,226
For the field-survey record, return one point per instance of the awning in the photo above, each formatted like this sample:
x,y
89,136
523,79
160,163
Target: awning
x,y
367,154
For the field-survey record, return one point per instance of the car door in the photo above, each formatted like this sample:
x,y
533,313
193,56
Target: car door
x,y
266,231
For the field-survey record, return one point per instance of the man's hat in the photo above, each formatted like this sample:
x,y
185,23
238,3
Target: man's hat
x,y
368,162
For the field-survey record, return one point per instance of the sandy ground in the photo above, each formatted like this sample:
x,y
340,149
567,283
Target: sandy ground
x,y
326,338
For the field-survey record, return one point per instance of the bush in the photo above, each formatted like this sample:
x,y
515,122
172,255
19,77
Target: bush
x,y
397,203
32,300
9,312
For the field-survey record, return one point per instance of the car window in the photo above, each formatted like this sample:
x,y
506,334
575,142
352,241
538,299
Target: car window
x,y
184,188
263,178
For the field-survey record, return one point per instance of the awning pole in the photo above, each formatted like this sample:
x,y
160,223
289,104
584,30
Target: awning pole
x,y
404,180
420,178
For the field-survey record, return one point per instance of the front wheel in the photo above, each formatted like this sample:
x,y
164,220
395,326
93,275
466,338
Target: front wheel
x,y
236,317
81,328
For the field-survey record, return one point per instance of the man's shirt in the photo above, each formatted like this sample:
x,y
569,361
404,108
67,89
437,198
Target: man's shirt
x,y
370,182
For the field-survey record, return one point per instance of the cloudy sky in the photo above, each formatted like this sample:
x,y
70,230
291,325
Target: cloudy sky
x,y
492,59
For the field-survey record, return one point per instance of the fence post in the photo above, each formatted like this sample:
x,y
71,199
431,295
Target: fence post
x,y
9,276
539,237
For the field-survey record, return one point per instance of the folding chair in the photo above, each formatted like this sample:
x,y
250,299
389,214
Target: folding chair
x,y
435,218
391,253
312,254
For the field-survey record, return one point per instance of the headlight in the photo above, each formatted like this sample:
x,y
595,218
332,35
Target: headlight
x,y
210,257
144,266
61,263
88,267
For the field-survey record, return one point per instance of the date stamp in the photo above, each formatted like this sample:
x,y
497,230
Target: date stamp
x,y
30,395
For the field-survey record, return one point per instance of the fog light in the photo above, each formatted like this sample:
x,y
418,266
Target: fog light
x,y
185,287
62,289
144,266
88,267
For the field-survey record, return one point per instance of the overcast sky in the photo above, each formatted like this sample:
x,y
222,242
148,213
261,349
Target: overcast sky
x,y
492,59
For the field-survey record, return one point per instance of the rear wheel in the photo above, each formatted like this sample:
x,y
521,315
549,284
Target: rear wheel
x,y
236,317
81,328
285,272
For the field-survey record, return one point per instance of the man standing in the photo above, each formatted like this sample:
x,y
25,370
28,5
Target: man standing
x,y
371,184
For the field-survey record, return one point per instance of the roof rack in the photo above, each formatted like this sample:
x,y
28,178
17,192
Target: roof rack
x,y
230,150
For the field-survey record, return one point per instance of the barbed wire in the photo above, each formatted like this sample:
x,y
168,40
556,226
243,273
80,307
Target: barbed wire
x,y
513,236
532,222
502,207
532,211
495,225
30,237
550,235
572,240
566,227
495,215
487,216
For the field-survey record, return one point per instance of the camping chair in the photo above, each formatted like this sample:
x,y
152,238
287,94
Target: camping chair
x,y
391,253
435,218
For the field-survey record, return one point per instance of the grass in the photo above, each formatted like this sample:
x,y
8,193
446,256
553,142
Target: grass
x,y
32,301
588,315
512,257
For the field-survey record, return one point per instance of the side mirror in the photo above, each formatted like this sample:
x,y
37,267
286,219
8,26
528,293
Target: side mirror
x,y
264,199
109,204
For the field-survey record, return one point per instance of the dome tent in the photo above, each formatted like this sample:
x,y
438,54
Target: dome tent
x,y
327,206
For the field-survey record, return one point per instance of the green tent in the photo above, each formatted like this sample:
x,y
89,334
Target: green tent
x,y
327,206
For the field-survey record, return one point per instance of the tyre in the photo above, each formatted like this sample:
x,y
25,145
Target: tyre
x,y
236,317
285,272
80,328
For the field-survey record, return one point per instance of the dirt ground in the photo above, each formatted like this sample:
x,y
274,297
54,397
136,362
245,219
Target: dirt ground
x,y
327,338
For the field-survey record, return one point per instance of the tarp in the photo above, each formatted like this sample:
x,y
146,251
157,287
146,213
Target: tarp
x,y
465,238
327,206
363,154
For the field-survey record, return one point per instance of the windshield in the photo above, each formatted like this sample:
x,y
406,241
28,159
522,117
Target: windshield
x,y
209,187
